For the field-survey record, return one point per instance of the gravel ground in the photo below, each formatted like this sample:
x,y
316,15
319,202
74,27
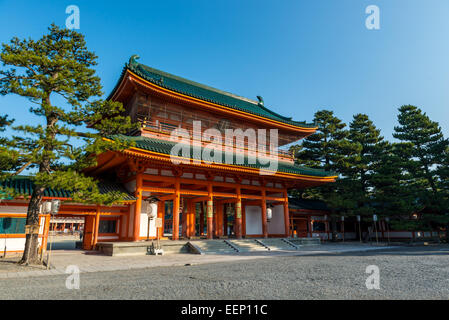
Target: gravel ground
x,y
405,273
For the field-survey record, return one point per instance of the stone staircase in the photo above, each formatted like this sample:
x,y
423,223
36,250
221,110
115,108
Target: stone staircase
x,y
248,245
305,241
212,247
279,244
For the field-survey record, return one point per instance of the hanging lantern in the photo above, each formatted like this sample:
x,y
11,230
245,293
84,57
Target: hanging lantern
x,y
152,210
269,213
152,207
46,207
55,204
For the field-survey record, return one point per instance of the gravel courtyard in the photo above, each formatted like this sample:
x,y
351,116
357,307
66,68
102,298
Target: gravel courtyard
x,y
405,273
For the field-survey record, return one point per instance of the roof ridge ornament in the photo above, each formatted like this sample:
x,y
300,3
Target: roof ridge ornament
x,y
133,60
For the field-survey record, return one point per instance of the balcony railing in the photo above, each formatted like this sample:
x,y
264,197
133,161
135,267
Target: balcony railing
x,y
167,128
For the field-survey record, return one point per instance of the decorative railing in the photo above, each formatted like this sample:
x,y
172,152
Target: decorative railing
x,y
167,128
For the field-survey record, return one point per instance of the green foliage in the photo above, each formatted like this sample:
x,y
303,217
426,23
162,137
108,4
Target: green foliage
x,y
59,145
393,180
424,161
330,149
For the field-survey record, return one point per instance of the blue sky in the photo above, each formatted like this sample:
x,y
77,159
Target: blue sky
x,y
301,56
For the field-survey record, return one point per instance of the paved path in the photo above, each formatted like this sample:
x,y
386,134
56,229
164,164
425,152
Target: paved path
x,y
405,273
90,262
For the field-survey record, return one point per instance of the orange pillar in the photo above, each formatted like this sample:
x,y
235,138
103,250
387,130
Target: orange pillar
x,y
97,223
264,214
89,227
210,212
243,221
192,210
238,215
184,220
163,218
46,231
137,207
176,202
286,215
219,220
160,208
201,219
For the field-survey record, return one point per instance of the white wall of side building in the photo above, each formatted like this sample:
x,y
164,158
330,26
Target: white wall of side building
x,y
144,222
253,220
276,224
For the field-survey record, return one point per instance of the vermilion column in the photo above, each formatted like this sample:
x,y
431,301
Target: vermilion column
x,y
219,219
184,219
176,201
202,219
192,220
286,215
210,212
238,215
160,214
264,215
46,231
97,224
137,207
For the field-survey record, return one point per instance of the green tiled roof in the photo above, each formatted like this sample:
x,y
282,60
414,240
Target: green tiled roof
x,y
165,147
206,93
307,204
24,185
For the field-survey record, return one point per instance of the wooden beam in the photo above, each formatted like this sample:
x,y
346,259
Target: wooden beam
x,y
167,179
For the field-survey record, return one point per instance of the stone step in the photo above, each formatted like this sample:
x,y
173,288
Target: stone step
x,y
278,244
248,245
213,246
305,241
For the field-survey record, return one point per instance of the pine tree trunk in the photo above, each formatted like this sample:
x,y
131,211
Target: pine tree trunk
x,y
30,253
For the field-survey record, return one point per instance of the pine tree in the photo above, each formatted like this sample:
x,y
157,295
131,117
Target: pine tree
x,y
10,159
424,161
394,193
364,133
428,143
329,149
60,65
